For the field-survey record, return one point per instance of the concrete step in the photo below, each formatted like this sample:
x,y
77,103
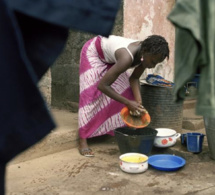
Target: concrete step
x,y
193,124
64,137
191,121
189,103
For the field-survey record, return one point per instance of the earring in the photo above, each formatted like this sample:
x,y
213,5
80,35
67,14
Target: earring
x,y
141,59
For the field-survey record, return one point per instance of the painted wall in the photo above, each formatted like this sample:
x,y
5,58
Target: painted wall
x,y
146,17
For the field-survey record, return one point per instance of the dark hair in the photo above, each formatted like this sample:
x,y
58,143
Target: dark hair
x,y
155,44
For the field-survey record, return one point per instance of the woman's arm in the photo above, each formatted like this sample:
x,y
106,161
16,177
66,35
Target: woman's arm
x,y
135,83
123,63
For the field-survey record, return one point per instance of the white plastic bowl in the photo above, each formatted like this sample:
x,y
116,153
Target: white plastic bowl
x,y
133,167
166,137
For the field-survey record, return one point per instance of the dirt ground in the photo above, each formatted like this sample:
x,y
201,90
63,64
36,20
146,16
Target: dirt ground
x,y
69,173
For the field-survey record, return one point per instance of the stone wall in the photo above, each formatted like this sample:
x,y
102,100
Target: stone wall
x,y
45,87
65,72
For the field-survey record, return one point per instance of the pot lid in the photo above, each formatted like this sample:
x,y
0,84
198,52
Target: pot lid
x,y
165,132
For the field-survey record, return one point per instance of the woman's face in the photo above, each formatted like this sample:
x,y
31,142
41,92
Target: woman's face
x,y
150,60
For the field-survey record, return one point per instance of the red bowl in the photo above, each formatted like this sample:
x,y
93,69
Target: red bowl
x,y
135,121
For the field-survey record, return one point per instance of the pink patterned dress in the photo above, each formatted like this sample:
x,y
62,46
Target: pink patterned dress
x,y
99,114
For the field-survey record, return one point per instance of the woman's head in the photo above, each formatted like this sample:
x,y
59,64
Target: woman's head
x,y
154,49
155,44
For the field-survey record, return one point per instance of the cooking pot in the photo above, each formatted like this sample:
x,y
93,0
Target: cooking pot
x,y
133,162
166,137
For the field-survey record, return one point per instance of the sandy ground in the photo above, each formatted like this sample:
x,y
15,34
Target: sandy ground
x,y
68,173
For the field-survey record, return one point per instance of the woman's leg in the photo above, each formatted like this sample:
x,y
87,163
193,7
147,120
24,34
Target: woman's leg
x,y
84,148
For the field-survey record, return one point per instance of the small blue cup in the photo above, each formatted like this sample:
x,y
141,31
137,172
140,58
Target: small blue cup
x,y
194,142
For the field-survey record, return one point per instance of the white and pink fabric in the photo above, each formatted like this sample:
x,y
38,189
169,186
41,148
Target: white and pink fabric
x,y
99,114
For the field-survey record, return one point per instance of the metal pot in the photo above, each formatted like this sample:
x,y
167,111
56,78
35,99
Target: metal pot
x,y
133,162
166,137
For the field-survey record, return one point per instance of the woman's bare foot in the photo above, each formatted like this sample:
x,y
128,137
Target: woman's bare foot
x,y
84,148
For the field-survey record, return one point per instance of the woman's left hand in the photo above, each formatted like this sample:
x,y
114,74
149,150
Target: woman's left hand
x,y
138,112
135,107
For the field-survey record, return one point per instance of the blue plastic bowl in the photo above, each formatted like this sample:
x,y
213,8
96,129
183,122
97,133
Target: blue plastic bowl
x,y
166,162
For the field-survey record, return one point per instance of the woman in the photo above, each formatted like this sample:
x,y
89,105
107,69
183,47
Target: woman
x,y
106,86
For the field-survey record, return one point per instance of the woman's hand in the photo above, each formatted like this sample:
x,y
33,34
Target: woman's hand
x,y
135,108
